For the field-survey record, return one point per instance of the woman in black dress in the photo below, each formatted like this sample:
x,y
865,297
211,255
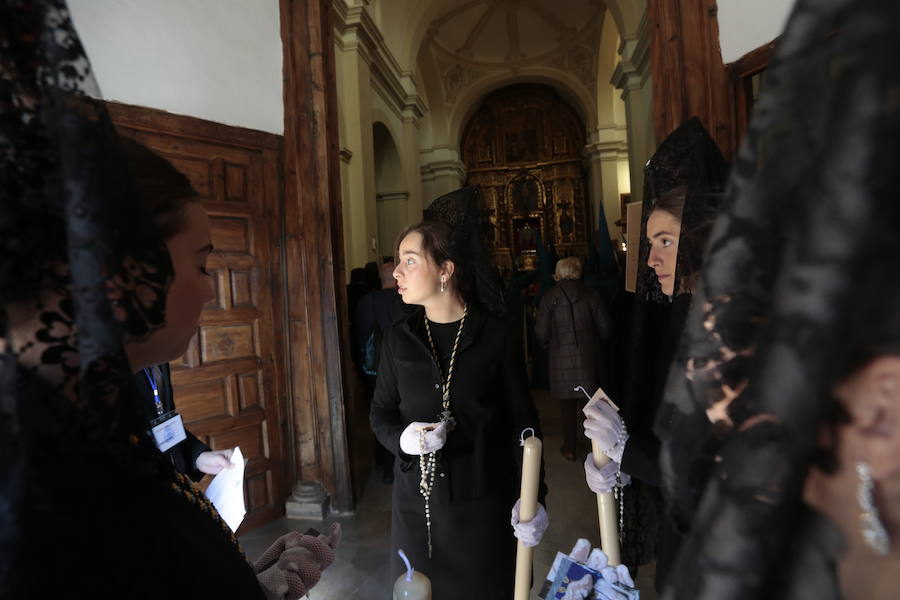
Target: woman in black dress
x,y
451,402
683,182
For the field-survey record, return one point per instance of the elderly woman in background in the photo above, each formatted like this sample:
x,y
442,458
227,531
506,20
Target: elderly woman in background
x,y
572,323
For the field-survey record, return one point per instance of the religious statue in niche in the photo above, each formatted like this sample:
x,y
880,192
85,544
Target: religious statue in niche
x,y
566,226
525,239
525,194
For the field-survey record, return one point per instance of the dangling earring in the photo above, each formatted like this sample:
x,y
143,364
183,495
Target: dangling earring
x,y
873,530
442,284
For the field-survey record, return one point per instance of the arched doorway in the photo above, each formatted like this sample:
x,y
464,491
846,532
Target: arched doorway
x,y
390,194
524,147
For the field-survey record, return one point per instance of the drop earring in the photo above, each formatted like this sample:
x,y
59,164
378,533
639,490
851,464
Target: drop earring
x,y
873,530
442,285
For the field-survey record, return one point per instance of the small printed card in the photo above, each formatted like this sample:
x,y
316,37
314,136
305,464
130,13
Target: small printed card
x,y
570,580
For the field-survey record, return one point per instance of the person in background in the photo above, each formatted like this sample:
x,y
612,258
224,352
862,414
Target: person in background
x,y
451,402
374,315
572,324
190,456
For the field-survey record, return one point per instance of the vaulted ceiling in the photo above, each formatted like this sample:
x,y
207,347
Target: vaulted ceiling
x,y
507,32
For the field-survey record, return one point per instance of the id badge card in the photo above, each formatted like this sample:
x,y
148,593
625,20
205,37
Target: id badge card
x,y
169,432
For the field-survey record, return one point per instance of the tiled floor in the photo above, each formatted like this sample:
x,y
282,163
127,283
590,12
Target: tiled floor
x,y
360,571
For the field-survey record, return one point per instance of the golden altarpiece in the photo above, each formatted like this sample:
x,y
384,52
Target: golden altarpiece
x,y
523,147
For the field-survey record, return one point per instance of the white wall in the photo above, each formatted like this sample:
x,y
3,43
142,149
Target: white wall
x,y
214,59
745,25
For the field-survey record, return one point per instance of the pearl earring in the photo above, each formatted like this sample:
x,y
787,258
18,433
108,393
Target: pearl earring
x,y
873,529
442,285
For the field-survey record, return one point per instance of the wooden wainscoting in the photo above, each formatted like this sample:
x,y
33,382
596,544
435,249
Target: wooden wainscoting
x,y
230,384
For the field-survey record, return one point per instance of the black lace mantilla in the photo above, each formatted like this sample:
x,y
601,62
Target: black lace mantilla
x,y
796,283
82,269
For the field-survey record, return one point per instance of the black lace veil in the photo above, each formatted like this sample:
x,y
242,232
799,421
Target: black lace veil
x,y
84,494
459,209
796,289
689,159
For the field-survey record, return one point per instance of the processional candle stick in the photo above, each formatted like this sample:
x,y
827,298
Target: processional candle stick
x,y
531,476
606,502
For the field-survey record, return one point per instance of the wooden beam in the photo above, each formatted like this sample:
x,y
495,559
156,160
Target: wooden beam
x,y
316,330
689,78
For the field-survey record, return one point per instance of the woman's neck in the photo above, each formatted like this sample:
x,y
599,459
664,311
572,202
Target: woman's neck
x,y
445,309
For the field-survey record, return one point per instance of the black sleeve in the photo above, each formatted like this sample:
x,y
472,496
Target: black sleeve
x,y
384,415
519,405
641,457
190,449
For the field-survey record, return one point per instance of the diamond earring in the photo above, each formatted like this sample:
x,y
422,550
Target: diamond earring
x,y
873,530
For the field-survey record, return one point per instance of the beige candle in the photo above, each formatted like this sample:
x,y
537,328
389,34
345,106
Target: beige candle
x,y
606,503
531,477
606,510
411,585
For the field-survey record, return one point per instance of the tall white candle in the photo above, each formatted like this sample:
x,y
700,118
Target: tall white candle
x,y
531,477
606,503
606,510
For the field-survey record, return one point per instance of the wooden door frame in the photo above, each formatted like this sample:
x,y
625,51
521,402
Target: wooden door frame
x,y
316,330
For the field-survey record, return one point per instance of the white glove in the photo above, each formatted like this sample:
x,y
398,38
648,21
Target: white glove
x,y
604,426
530,532
435,437
603,587
602,480
581,589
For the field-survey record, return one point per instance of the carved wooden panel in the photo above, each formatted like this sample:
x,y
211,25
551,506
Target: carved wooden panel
x,y
229,383
523,147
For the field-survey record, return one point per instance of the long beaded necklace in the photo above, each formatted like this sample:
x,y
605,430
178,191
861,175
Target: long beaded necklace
x,y
428,463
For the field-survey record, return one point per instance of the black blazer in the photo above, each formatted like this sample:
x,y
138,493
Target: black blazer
x,y
489,399
184,454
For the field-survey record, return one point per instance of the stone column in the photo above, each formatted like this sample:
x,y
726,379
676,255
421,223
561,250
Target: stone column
x,y
602,158
442,171
632,76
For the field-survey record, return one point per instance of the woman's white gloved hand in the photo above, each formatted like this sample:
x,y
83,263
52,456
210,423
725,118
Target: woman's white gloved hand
x,y
530,532
602,480
610,576
412,442
604,426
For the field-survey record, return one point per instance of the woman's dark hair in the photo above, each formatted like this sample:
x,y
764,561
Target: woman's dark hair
x,y
164,190
671,202
694,233
436,244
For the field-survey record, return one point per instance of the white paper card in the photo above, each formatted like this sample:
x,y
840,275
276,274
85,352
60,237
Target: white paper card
x,y
226,491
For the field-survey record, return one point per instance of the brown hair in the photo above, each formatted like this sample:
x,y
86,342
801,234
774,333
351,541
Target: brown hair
x,y
671,202
437,245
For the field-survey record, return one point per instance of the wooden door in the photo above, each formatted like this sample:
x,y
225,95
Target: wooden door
x,y
229,383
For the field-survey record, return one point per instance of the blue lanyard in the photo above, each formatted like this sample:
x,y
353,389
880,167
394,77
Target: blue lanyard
x,y
156,400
